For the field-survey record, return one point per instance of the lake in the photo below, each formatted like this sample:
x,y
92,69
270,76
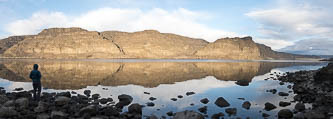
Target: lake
x,y
165,79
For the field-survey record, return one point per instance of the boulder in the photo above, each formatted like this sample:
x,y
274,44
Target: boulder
x,y
8,112
203,109
283,94
204,101
231,111
325,73
221,102
285,114
246,105
152,98
22,102
217,115
95,96
284,104
269,106
3,99
43,116
299,107
42,107
189,93
88,110
150,104
9,103
61,100
170,113
135,109
87,92
188,115
124,100
58,115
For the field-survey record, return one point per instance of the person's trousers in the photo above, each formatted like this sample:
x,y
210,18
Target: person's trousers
x,y
37,89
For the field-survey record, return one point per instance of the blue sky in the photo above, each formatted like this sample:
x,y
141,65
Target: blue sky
x,y
280,24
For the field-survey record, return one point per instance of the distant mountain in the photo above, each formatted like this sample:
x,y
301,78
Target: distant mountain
x,y
77,43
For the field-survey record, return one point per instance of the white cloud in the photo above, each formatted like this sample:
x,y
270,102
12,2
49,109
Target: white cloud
x,y
180,21
293,21
311,46
273,43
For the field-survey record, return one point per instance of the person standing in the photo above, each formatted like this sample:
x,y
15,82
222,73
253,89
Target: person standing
x,y
35,76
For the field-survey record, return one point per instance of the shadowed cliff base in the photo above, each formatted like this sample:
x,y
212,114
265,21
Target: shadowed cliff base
x,y
79,74
77,43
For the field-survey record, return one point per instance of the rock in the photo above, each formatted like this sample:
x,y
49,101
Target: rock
x,y
61,100
285,114
135,109
314,115
231,111
65,94
87,92
152,98
9,103
174,99
88,110
124,100
150,104
265,115
188,115
103,101
73,92
269,106
283,94
42,107
242,82
18,89
152,117
58,115
241,98
95,96
43,116
3,99
22,102
273,91
180,96
109,111
204,101
203,109
8,112
170,113
189,93
284,104
325,73
299,107
221,102
146,93
217,116
246,105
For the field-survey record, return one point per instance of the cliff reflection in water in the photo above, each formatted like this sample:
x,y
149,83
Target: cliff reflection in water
x,y
79,74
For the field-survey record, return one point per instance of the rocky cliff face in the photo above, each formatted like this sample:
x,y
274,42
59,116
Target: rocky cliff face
x,y
77,43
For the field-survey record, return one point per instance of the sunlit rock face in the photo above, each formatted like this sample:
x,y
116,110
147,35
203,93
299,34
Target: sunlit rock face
x,y
77,43
79,74
64,43
230,48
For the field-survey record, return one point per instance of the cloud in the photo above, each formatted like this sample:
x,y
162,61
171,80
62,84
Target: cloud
x,y
311,46
292,21
273,43
180,21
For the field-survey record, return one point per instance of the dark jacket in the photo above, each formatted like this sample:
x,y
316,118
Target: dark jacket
x,y
35,76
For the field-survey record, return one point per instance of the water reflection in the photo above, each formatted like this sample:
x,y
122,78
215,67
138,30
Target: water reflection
x,y
163,80
79,74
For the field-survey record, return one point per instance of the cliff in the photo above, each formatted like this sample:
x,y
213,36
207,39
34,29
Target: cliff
x,y
77,43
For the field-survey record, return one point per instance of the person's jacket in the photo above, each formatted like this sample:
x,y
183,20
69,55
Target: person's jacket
x,y
35,76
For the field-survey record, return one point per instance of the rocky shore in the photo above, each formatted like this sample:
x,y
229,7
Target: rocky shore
x,y
315,88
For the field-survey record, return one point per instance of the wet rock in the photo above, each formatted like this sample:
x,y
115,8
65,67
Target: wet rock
x,y
95,96
289,86
87,93
273,91
231,111
170,113
9,103
204,101
314,115
241,98
124,100
8,112
150,104
61,100
109,111
281,83
243,82
299,107
42,107
135,109
174,99
18,89
152,117
285,114
3,99
284,104
189,93
88,110
269,106
217,115
325,73
65,94
152,98
246,105
22,102
43,116
58,115
180,96
265,115
146,93
188,115
283,94
203,109
73,92
103,101
221,102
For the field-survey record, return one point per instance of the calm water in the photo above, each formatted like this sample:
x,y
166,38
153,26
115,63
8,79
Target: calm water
x,y
164,79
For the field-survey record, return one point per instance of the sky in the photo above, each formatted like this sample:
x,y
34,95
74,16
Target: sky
x,y
295,26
